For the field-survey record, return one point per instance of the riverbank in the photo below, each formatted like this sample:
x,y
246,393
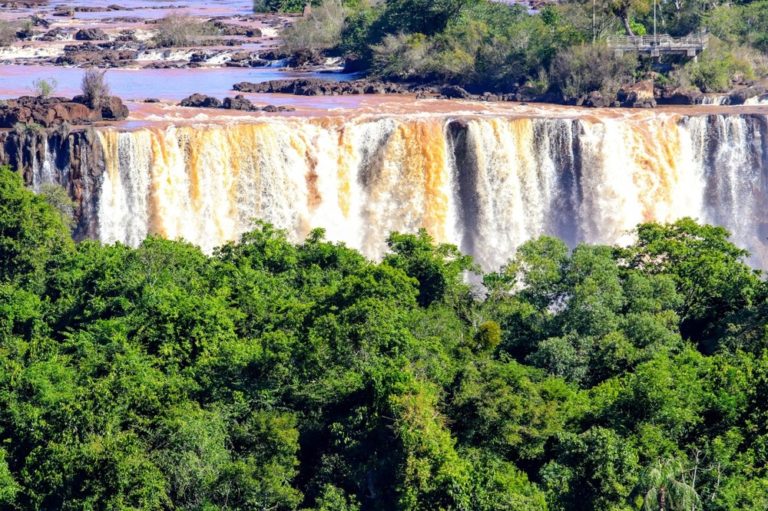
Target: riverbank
x,y
639,95
230,43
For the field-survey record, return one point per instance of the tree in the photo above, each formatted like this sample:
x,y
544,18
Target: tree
x,y
709,271
667,488
32,234
625,9
438,269
420,16
282,376
8,486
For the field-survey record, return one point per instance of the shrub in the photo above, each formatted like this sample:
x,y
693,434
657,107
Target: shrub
x,y
319,30
488,336
720,67
7,33
401,56
278,5
585,68
177,30
94,87
44,87
26,30
28,128
356,32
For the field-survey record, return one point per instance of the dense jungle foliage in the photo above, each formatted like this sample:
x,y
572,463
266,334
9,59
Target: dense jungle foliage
x,y
556,48
280,376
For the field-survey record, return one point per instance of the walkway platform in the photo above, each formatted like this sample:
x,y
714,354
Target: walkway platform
x,y
660,44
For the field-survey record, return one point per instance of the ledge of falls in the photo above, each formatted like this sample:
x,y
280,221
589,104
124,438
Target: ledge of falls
x,y
486,183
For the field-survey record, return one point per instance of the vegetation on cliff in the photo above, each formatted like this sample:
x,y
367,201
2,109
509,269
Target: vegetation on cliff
x,y
284,376
490,46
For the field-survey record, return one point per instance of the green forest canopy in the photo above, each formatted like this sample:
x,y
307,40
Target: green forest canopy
x,y
280,376
559,50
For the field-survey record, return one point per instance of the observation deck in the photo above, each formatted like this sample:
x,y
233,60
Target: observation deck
x,y
660,44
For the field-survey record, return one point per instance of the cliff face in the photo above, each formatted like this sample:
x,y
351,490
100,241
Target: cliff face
x,y
73,160
485,183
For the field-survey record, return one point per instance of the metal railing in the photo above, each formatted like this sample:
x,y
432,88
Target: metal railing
x,y
698,41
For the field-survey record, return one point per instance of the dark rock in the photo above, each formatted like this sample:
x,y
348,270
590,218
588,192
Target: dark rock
x,y
238,103
91,34
303,58
46,112
595,99
317,87
39,22
355,64
113,108
165,65
273,55
201,101
228,29
454,92
680,97
67,12
127,19
241,56
56,34
127,36
25,33
740,96
90,54
637,95
151,100
199,57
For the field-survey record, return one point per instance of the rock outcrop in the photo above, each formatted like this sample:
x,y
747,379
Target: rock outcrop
x,y
455,92
96,55
317,87
91,34
51,112
78,151
740,96
239,102
676,96
637,95
113,108
201,101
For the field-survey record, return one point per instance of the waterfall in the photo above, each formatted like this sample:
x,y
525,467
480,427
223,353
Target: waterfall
x,y
485,183
44,167
733,156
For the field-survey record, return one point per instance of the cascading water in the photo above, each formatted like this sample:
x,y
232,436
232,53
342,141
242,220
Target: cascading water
x,y
735,176
485,183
